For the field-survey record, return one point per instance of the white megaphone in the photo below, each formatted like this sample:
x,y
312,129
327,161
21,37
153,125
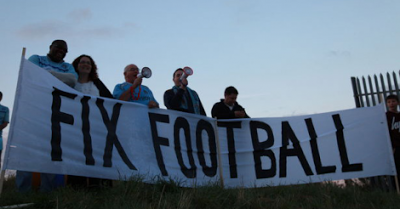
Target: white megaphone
x,y
145,73
186,72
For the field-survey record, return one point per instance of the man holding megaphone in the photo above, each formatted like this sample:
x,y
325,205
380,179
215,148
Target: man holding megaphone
x,y
132,89
181,97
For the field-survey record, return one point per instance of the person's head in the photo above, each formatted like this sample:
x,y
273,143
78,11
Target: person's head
x,y
58,50
177,76
230,95
1,96
392,101
130,72
84,64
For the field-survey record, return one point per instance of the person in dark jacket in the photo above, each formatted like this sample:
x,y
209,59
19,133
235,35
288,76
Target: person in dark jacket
x,y
228,108
181,97
393,121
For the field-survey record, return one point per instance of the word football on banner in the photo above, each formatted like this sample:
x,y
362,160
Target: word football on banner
x,y
56,129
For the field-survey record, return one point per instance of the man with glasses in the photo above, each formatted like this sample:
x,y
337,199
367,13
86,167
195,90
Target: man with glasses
x,y
132,89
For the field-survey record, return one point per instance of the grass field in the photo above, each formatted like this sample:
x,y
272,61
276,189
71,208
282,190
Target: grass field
x,y
136,194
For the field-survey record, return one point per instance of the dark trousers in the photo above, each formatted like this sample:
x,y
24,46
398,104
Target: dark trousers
x,y
87,182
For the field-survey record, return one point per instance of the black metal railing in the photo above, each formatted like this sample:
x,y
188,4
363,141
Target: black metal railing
x,y
370,91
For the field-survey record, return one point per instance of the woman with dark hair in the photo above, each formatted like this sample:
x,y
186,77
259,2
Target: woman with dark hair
x,y
88,79
88,83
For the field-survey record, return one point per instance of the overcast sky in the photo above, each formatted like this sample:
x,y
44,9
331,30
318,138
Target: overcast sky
x,y
285,57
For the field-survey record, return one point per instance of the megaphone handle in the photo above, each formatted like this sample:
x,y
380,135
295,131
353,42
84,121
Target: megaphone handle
x,y
181,81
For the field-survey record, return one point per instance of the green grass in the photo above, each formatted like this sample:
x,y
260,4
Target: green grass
x,y
136,194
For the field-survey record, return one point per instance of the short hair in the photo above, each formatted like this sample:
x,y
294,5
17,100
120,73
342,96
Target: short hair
x,y
392,96
1,94
126,67
58,41
173,75
93,72
231,90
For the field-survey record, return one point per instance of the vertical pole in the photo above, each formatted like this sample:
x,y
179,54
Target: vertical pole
x,y
366,91
396,84
355,92
396,180
385,93
372,91
379,93
3,171
221,175
2,175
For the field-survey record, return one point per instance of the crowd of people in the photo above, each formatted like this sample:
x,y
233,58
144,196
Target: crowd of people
x,y
83,76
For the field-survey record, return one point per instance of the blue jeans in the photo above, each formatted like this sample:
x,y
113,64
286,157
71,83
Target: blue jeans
x,y
24,181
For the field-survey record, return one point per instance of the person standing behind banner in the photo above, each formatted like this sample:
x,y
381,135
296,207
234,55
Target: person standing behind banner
x,y
4,120
228,108
393,121
132,89
54,63
88,83
88,79
181,97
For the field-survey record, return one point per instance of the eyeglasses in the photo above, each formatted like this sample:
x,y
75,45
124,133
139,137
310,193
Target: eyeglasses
x,y
62,48
85,62
132,69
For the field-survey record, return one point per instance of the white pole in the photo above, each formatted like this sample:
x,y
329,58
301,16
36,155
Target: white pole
x,y
221,176
3,171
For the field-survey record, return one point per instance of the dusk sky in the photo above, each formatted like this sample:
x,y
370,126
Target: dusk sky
x,y
285,57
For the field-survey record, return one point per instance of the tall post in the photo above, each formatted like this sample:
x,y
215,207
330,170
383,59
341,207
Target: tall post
x,y
355,92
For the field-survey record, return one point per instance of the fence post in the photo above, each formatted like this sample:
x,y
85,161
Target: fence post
x,y
355,92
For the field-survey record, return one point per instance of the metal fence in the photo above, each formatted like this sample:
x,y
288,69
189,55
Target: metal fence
x,y
374,89
370,91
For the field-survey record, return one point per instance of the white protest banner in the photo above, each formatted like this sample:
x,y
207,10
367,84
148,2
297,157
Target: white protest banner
x,y
303,149
59,130
56,129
